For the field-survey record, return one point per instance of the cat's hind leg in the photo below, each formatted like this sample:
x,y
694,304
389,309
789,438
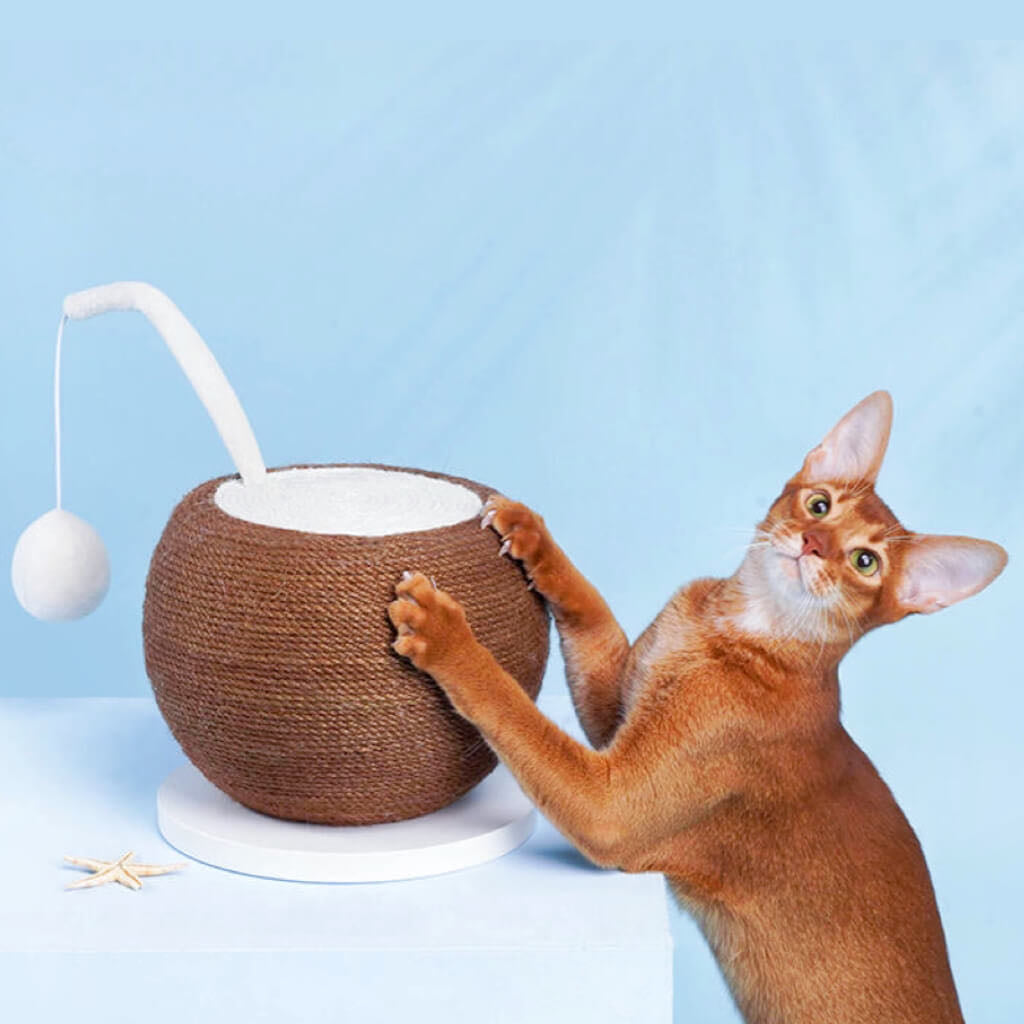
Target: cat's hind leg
x,y
594,647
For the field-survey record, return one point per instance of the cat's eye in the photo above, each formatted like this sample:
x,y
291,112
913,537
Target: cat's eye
x,y
864,561
818,504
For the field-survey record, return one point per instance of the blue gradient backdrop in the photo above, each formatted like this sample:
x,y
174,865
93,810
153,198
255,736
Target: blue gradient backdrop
x,y
631,286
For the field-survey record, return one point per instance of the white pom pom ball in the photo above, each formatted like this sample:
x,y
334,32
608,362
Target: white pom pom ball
x,y
60,569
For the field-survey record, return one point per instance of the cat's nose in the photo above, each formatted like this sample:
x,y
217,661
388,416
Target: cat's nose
x,y
815,543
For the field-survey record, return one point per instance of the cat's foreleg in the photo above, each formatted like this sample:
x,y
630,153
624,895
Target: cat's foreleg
x,y
617,805
570,783
594,646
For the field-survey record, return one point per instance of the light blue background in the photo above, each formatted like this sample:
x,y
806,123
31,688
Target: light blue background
x,y
631,286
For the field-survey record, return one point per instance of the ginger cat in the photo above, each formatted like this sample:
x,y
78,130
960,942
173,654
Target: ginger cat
x,y
720,759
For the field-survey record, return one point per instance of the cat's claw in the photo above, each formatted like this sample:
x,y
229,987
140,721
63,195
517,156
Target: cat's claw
x,y
431,625
523,534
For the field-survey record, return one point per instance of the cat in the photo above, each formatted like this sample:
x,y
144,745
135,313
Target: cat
x,y
719,758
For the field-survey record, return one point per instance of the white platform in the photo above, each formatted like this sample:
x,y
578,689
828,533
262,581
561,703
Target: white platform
x,y
205,824
538,935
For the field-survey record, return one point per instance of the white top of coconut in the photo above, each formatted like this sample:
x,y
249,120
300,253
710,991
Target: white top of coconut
x,y
350,500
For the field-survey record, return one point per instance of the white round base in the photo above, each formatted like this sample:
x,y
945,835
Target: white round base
x,y
205,824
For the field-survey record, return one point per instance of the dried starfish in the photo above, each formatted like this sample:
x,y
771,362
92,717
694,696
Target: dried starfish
x,y
121,870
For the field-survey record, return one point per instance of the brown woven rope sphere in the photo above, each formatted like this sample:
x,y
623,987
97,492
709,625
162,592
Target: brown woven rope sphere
x,y
269,651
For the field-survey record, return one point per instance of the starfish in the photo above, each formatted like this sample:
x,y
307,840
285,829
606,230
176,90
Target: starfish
x,y
121,870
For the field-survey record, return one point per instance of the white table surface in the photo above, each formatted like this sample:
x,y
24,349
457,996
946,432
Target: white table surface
x,y
538,934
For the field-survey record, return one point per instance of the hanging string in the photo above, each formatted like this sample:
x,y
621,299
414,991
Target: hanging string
x,y
56,406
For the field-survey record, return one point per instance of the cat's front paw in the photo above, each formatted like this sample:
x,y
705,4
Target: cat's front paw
x,y
433,632
523,533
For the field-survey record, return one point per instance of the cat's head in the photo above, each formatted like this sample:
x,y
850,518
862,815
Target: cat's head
x,y
830,550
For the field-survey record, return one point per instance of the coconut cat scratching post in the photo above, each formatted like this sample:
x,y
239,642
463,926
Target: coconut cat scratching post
x,y
268,646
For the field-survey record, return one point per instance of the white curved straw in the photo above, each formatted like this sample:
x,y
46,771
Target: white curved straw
x,y
193,356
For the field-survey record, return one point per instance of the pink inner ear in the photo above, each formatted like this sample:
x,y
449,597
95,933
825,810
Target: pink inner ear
x,y
939,571
849,458
855,446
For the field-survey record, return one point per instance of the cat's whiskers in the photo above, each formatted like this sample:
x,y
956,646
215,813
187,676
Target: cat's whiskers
x,y
783,636
805,627
810,629
841,607
756,532
797,620
860,486
750,545
822,633
759,539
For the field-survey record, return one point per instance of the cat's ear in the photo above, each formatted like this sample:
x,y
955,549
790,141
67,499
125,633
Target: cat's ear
x,y
855,446
939,571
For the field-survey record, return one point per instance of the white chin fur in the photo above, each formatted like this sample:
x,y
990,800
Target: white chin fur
x,y
780,596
